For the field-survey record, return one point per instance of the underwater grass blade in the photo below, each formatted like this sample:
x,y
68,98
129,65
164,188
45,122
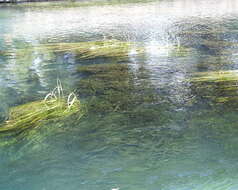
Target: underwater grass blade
x,y
71,102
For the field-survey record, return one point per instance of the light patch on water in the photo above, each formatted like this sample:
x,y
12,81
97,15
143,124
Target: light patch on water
x,y
155,48
140,18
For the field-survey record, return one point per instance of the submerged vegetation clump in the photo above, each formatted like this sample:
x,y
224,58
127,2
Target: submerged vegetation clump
x,y
119,50
32,114
115,88
216,76
217,86
109,86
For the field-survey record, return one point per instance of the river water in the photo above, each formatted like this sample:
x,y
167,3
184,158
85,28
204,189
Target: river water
x,y
170,124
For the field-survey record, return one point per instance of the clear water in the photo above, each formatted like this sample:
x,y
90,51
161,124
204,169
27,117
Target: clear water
x,y
183,139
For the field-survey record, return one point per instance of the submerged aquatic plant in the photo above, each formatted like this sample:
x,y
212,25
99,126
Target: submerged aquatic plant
x,y
216,76
114,88
54,106
218,86
109,86
89,50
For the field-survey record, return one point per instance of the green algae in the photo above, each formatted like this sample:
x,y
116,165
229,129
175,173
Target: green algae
x,y
108,85
32,114
180,51
109,49
217,86
101,69
216,76
125,102
87,50
214,62
29,125
112,87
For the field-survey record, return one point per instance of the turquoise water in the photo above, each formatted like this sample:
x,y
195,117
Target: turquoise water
x,y
167,120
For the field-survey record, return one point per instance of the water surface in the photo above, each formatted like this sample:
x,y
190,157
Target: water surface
x,y
170,124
